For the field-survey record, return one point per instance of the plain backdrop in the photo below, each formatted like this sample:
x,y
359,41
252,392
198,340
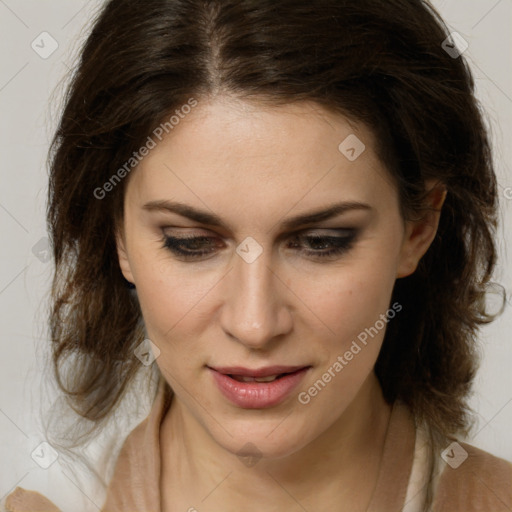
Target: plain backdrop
x,y
29,109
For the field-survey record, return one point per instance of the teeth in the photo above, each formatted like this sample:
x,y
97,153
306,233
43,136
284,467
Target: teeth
x,y
241,378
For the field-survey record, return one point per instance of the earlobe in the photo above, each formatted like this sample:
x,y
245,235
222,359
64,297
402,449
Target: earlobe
x,y
419,234
122,255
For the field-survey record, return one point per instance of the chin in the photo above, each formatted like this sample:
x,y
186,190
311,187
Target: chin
x,y
264,439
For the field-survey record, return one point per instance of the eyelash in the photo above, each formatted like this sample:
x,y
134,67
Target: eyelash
x,y
340,245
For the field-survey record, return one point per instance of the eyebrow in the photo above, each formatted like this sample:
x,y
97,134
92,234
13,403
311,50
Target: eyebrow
x,y
204,217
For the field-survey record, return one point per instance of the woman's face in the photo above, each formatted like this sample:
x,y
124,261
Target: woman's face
x,y
260,288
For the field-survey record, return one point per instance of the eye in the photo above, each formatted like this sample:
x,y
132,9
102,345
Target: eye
x,y
190,246
325,246
311,245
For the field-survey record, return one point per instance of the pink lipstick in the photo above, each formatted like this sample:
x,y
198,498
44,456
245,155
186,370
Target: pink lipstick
x,y
259,388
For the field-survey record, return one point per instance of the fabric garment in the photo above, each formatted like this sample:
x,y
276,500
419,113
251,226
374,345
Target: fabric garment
x,y
481,483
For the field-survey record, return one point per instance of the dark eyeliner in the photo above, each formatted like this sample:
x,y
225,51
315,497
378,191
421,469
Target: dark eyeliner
x,y
339,244
195,247
175,245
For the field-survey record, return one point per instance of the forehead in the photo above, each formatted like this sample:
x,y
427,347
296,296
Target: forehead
x,y
250,155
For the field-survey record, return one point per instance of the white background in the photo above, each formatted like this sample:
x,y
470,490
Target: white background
x,y
27,83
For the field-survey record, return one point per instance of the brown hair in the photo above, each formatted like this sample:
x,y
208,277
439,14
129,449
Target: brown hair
x,y
380,63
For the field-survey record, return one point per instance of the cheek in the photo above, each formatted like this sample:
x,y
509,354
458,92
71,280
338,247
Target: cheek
x,y
351,305
172,297
168,302
179,300
352,299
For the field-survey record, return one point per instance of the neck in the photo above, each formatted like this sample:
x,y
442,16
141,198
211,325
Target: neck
x,y
350,449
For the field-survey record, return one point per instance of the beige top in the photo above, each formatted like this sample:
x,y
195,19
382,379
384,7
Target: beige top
x,y
482,483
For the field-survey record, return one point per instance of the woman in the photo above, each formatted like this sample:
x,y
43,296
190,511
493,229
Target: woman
x,y
295,203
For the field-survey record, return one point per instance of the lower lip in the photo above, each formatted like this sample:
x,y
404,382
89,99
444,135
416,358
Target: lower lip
x,y
258,395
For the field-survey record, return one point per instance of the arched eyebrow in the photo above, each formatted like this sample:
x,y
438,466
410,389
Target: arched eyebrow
x,y
212,219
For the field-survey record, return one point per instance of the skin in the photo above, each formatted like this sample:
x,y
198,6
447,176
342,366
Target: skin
x,y
255,167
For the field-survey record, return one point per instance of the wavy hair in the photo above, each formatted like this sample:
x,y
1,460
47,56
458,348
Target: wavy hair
x,y
380,63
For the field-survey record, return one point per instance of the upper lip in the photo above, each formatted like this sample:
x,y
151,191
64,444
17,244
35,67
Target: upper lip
x,y
256,372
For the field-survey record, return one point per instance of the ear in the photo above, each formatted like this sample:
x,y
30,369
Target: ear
x,y
122,255
419,233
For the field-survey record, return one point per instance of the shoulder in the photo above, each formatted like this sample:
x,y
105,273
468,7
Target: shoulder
x,y
473,481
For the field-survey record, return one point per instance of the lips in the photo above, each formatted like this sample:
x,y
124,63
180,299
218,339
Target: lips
x,y
257,388
269,371
270,378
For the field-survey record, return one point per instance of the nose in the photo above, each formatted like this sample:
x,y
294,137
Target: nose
x,y
255,310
